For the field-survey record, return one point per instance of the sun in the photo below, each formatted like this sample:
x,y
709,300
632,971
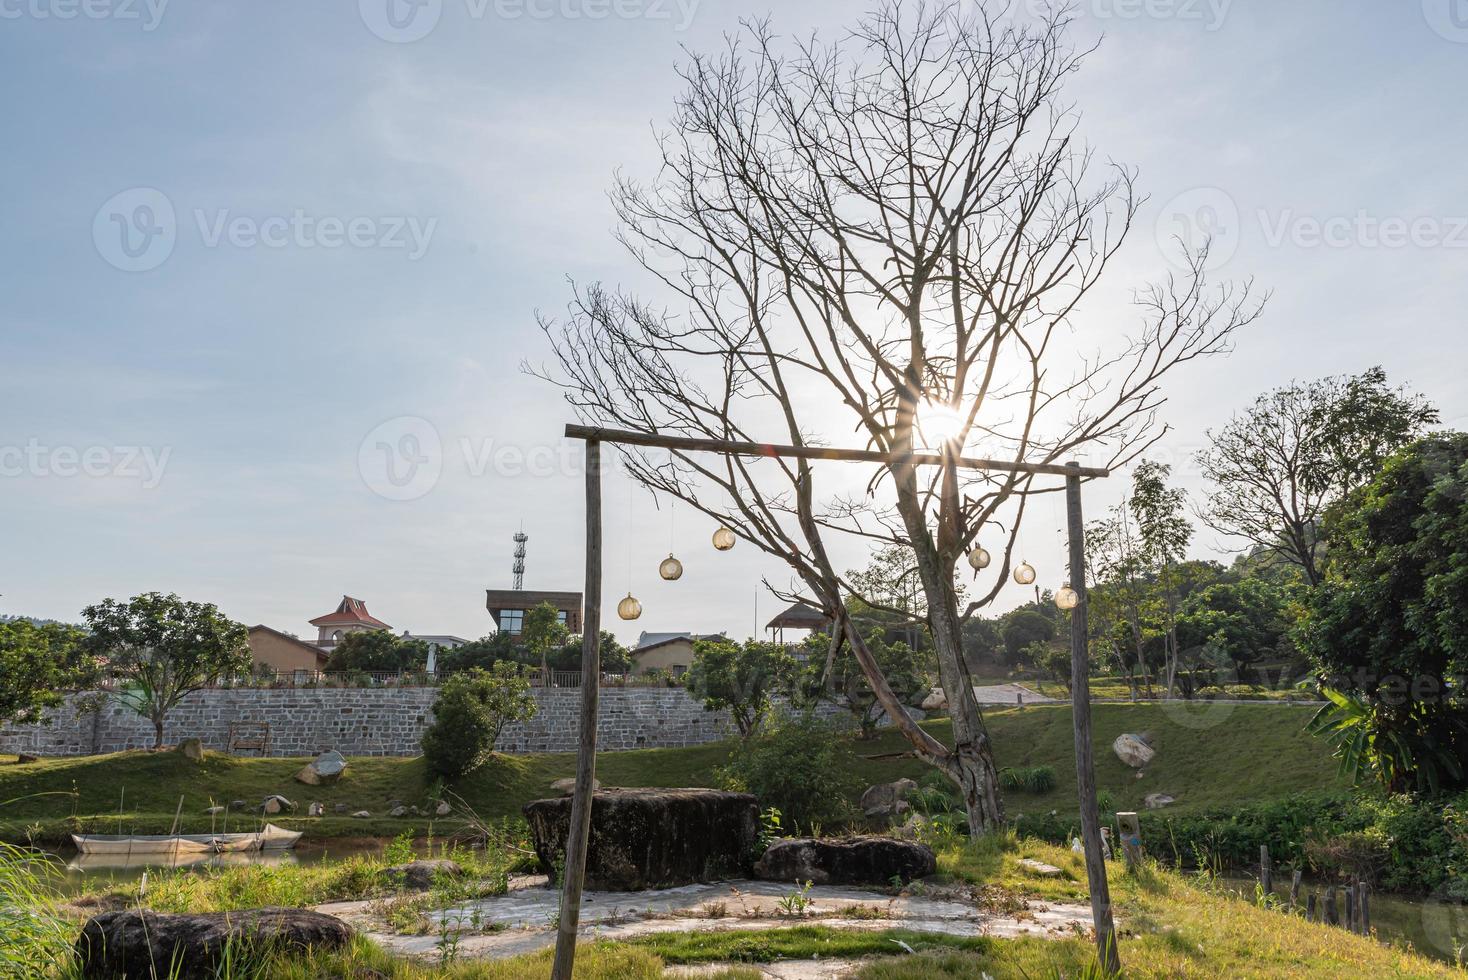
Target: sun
x,y
939,423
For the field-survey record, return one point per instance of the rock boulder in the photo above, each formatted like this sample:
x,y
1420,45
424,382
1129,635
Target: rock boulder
x,y
653,838
1156,801
565,787
191,749
1135,750
324,770
887,801
129,943
846,861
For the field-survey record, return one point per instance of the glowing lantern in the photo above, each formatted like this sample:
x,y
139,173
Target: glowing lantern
x,y
1025,574
978,559
671,569
1067,598
723,539
629,608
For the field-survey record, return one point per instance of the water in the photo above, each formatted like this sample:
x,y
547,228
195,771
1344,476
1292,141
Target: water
x,y
1433,927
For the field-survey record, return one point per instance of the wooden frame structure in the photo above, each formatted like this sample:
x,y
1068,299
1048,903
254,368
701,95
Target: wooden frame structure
x,y
579,832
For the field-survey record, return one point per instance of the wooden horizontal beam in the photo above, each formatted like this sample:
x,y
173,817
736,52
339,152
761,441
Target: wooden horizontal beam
x,y
652,440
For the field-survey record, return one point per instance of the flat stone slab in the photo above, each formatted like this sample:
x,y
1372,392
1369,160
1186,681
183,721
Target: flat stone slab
x,y
520,921
1039,868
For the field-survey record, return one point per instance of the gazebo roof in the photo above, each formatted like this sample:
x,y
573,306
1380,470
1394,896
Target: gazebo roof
x,y
801,617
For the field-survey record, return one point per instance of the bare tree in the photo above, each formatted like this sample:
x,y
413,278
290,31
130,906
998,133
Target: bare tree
x,y
891,235
1277,466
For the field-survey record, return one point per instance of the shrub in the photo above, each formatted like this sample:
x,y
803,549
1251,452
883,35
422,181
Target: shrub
x,y
471,710
1030,779
801,766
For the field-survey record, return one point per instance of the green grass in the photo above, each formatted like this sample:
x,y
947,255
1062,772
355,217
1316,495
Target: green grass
x,y
796,943
1207,756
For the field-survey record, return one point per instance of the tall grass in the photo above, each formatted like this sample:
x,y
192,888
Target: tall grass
x,y
35,940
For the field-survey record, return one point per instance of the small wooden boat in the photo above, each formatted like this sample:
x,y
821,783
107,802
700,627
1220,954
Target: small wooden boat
x,y
165,845
268,838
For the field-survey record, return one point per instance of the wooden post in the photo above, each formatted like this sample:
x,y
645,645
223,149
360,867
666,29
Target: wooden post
x,y
1295,887
1131,839
1363,909
579,832
1080,686
1310,907
1332,910
1266,873
1350,921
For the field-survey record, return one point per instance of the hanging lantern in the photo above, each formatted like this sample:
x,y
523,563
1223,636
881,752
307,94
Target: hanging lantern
x,y
629,608
723,539
1067,598
1025,574
671,569
978,559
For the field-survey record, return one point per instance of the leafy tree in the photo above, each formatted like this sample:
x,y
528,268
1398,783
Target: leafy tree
x,y
1389,626
542,633
1164,532
471,710
615,658
484,653
1243,621
1052,659
1024,627
1281,464
739,677
1122,601
38,663
164,649
802,767
378,651
901,665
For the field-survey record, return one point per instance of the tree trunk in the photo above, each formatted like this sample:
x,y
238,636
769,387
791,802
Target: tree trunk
x,y
157,732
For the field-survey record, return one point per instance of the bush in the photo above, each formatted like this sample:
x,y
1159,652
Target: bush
x,y
1030,779
471,710
802,767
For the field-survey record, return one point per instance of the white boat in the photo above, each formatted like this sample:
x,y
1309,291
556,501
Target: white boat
x,y
171,845
267,838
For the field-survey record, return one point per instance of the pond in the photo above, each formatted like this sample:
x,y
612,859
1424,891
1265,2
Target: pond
x,y
1432,926
79,872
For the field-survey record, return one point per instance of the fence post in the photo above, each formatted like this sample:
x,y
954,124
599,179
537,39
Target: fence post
x,y
1350,922
1310,907
1295,887
1363,909
1266,875
1332,912
1131,839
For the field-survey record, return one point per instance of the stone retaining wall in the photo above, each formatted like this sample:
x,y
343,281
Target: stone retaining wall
x,y
365,721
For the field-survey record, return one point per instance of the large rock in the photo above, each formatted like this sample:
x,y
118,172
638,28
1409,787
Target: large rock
x,y
325,769
887,801
936,700
192,749
1135,750
846,861
653,838
277,804
566,787
131,943
1156,801
419,875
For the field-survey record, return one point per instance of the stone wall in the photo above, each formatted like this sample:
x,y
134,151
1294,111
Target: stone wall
x,y
365,721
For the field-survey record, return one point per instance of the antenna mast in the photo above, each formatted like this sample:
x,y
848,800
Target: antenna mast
x,y
519,567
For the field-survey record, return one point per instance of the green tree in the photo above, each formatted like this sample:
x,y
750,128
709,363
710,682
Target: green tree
x,y
1243,621
164,649
1164,532
1023,627
484,653
471,710
615,658
38,664
1051,659
542,633
1389,626
802,767
1277,467
739,677
899,663
378,651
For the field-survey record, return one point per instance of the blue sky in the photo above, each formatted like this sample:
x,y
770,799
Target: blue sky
x,y
233,393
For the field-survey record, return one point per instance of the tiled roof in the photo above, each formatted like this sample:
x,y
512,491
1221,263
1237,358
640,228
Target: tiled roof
x,y
350,612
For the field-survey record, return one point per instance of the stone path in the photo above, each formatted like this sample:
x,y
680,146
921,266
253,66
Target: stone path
x,y
521,921
1008,694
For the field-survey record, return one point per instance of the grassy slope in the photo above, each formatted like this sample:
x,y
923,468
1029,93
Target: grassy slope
x,y
1238,753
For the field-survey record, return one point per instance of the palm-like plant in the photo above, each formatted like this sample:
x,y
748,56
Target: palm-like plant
x,y
1414,743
